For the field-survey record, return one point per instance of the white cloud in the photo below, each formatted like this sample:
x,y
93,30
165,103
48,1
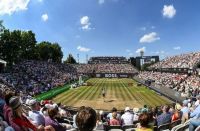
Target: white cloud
x,y
45,17
40,0
101,2
127,50
84,20
86,27
141,49
83,49
85,23
11,6
169,11
149,38
177,48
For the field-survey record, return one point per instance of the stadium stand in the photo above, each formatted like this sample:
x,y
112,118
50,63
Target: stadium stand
x,y
189,60
36,77
38,113
28,78
179,73
105,68
66,116
108,59
170,80
186,85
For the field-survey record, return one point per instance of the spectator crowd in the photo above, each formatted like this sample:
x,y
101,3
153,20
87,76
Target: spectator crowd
x,y
180,61
169,80
187,85
105,68
36,77
18,114
190,86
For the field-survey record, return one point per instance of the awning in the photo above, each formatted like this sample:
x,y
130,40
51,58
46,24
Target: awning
x,y
3,62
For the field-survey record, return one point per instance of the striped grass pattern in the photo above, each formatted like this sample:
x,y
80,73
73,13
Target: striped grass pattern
x,y
117,90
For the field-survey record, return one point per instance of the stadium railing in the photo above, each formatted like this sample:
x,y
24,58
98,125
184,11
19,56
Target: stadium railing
x,y
167,92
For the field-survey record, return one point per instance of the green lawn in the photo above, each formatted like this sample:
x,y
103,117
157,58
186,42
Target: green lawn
x,y
116,89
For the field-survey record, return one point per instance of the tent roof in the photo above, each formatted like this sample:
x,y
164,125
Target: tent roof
x,y
2,61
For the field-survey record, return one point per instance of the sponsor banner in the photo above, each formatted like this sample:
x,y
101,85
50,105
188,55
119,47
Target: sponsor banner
x,y
113,75
110,75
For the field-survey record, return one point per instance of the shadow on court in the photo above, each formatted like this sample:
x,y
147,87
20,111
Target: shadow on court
x,y
108,101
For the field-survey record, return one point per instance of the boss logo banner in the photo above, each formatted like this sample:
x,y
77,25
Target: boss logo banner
x,y
111,75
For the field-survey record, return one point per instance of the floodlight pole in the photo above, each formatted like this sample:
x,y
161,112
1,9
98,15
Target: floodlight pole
x,y
78,58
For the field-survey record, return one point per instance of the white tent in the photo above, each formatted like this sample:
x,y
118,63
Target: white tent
x,y
3,62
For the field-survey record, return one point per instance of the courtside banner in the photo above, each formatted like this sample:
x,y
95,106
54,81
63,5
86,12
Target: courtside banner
x,y
113,75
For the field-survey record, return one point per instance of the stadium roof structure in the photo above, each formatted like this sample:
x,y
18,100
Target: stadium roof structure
x,y
3,62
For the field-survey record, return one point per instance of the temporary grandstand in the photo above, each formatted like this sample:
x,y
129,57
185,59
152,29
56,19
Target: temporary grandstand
x,y
104,66
50,82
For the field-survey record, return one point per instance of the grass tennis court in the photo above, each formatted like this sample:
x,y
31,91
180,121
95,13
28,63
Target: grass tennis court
x,y
119,93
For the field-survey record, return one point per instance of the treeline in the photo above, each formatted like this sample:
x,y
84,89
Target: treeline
x,y
17,45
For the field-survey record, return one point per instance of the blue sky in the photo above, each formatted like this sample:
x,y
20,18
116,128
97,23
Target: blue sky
x,y
109,27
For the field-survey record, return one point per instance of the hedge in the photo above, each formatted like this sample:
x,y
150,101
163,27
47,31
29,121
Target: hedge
x,y
52,93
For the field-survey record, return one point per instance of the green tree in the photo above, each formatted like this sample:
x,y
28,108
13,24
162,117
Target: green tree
x,y
17,45
57,53
47,50
43,50
70,60
6,46
28,45
9,48
2,27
